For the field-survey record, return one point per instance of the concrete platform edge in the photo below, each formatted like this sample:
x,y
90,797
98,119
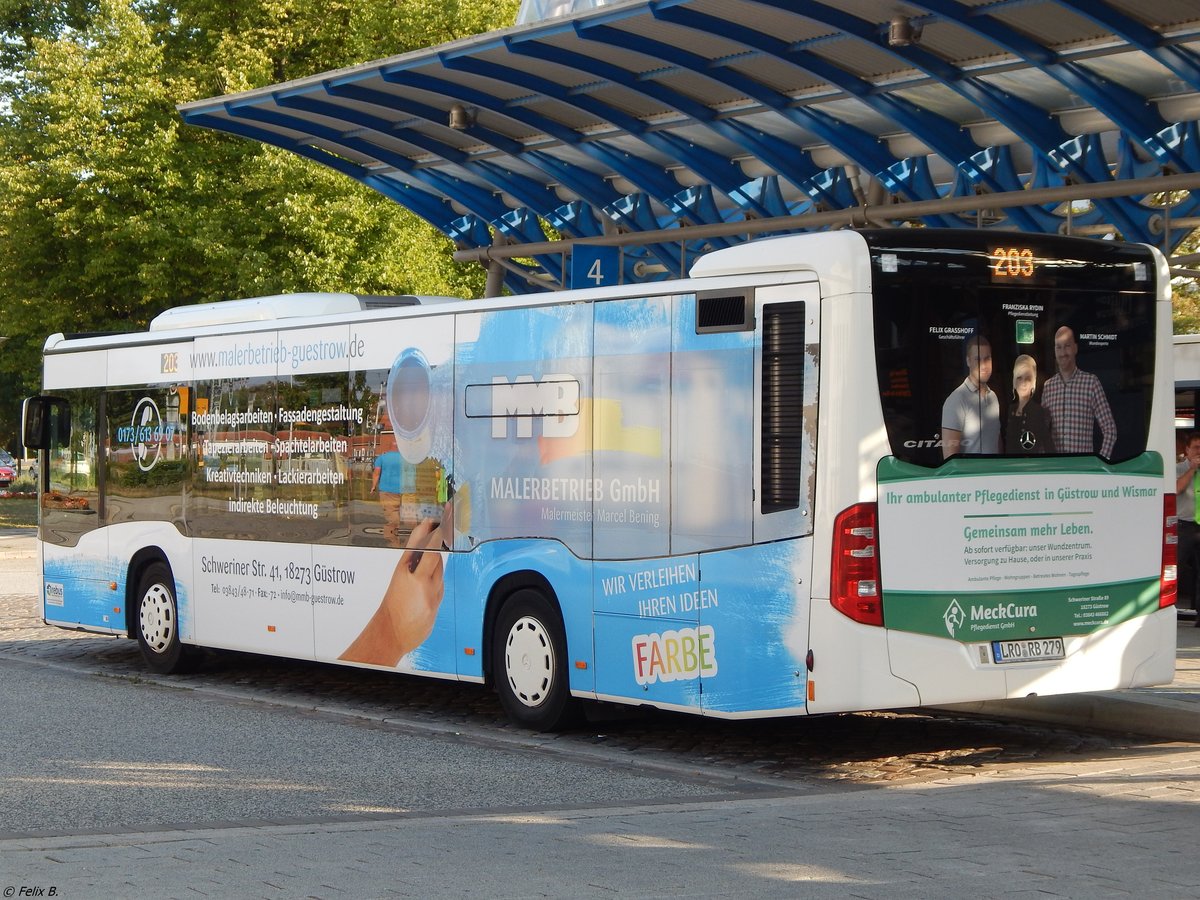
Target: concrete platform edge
x,y
1124,713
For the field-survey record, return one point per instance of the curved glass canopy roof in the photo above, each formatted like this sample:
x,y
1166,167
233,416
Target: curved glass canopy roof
x,y
671,127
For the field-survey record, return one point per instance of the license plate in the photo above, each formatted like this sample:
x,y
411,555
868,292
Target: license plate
x,y
1028,651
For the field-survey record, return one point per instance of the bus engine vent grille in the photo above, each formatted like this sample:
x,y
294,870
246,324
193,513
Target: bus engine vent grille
x,y
724,312
782,405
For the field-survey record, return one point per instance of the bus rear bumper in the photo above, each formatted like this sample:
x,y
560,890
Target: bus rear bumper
x,y
1135,653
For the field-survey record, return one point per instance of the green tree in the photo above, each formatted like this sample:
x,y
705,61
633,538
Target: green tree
x,y
1186,289
111,209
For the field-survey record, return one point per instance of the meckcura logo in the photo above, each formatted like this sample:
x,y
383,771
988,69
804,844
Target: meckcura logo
x,y
1002,612
146,434
997,614
954,617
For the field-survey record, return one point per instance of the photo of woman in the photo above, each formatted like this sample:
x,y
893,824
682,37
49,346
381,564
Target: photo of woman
x,y
1029,427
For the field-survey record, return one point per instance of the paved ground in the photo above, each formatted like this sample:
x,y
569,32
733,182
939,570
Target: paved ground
x,y
977,840
513,815
1111,827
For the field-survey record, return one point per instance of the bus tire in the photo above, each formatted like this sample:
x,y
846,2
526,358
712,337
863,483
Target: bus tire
x,y
157,622
529,660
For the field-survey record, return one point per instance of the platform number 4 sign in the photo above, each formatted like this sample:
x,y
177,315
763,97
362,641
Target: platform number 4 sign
x,y
593,266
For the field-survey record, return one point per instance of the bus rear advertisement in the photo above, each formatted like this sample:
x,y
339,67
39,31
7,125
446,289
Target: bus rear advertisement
x,y
827,472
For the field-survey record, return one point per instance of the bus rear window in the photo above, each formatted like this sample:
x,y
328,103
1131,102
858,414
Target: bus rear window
x,y
1013,347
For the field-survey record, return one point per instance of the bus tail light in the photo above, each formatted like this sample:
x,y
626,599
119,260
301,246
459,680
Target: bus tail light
x,y
1169,585
854,589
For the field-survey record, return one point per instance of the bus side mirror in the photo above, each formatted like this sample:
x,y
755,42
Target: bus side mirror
x,y
38,420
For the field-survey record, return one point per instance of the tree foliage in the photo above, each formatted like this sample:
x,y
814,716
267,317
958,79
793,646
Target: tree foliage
x,y
1186,290
112,209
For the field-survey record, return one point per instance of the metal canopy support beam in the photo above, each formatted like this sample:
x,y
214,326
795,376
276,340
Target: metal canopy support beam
x,y
595,190
435,210
481,202
862,216
533,194
652,179
1034,125
862,147
1128,110
944,137
1179,60
536,196
723,173
789,161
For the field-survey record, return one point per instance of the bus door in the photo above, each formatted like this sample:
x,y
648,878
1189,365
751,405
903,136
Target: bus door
x,y
648,644
752,600
77,568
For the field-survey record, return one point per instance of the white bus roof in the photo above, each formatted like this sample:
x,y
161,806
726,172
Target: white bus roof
x,y
823,255
278,306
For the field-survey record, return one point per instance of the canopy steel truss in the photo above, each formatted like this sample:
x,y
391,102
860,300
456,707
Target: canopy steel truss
x,y
677,126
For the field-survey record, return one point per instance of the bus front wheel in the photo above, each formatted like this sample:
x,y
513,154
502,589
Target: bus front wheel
x,y
158,622
529,662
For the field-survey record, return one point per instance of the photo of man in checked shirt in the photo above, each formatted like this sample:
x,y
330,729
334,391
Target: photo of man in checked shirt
x,y
1076,402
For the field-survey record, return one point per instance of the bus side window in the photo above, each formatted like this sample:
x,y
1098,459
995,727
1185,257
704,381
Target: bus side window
x,y
45,420
712,421
145,463
71,493
631,428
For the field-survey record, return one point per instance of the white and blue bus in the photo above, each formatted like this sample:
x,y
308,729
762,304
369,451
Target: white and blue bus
x,y
827,472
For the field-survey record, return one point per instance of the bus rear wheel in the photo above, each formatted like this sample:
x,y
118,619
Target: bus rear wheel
x,y
158,622
529,663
